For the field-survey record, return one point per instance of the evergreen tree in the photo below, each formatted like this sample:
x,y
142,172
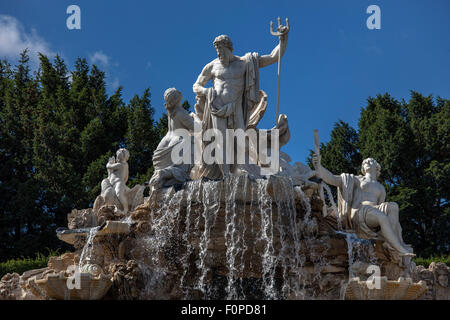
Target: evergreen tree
x,y
142,138
19,189
341,153
411,142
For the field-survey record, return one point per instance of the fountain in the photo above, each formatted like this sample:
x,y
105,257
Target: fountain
x,y
223,229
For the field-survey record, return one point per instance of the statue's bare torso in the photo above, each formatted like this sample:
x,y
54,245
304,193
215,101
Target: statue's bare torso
x,y
372,191
228,81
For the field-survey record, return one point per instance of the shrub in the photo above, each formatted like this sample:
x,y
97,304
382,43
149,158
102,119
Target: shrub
x,y
25,264
427,261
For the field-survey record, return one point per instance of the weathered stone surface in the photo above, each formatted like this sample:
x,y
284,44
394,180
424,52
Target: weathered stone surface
x,y
401,289
128,280
61,263
55,286
15,287
84,218
436,277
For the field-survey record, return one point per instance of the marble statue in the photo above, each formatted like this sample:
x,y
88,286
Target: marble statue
x,y
299,172
362,206
234,101
114,189
166,171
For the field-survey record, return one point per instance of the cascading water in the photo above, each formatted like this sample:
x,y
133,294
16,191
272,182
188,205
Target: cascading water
x,y
333,204
234,232
268,257
211,206
358,250
256,221
159,241
192,190
86,253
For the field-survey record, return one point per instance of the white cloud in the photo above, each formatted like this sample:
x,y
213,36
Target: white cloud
x,y
115,84
14,39
105,62
99,58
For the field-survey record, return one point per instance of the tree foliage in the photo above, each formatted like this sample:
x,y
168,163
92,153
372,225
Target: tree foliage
x,y
57,131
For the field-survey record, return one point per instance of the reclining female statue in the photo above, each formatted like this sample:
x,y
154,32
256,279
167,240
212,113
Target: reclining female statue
x,y
362,206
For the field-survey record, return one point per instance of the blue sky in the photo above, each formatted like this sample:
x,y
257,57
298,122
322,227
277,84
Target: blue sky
x,y
332,64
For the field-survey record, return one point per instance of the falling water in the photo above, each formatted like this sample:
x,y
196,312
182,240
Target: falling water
x,y
294,259
158,242
333,205
261,233
192,191
350,238
211,206
268,257
234,230
242,226
86,253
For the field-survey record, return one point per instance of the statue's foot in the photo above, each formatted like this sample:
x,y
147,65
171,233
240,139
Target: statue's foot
x,y
406,254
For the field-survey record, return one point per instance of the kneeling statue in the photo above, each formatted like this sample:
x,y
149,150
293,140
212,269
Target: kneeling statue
x,y
114,189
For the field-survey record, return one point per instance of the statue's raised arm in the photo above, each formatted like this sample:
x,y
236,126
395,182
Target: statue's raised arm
x,y
324,174
268,59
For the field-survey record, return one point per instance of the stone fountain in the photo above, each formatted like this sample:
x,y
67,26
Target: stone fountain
x,y
256,228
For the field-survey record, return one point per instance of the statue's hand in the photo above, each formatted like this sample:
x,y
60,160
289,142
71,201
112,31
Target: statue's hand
x,y
284,30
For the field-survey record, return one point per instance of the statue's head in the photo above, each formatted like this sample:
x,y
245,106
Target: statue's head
x,y
122,154
224,48
370,164
172,97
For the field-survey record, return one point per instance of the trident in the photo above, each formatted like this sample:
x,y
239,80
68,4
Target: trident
x,y
279,34
317,152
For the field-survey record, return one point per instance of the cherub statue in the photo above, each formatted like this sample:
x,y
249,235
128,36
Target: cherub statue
x,y
362,206
114,189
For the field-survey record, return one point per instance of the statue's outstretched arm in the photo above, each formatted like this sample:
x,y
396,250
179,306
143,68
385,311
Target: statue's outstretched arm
x,y
326,175
202,80
267,60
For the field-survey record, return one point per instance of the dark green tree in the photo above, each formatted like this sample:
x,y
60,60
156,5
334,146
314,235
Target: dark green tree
x,y
411,142
58,129
19,188
341,153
